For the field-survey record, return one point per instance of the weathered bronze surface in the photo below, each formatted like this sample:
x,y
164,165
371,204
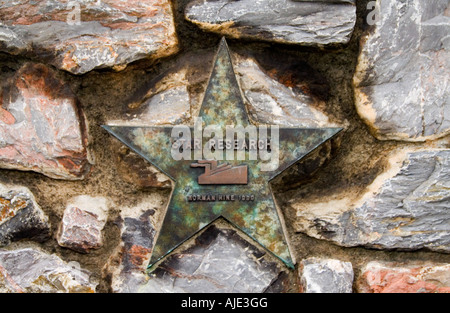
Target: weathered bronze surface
x,y
205,190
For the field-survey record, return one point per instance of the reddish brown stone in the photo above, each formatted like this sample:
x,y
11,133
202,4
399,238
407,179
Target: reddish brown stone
x,y
400,278
41,126
138,256
6,117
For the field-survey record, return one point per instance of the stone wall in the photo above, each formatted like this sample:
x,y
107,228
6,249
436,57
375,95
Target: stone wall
x,y
367,212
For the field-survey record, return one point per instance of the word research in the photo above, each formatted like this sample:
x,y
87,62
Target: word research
x,y
234,143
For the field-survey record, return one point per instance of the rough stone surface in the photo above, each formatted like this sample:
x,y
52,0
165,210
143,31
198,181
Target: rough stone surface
x,y
137,171
41,126
80,36
220,262
379,277
404,208
326,276
271,99
82,224
166,102
311,23
402,90
33,271
20,216
274,103
127,266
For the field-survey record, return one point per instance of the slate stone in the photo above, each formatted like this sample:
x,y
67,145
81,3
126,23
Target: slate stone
x,y
80,36
401,81
274,97
405,208
126,268
326,276
21,217
42,128
30,270
220,261
274,101
309,23
389,277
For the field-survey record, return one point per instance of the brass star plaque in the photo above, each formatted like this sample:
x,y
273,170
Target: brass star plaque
x,y
222,176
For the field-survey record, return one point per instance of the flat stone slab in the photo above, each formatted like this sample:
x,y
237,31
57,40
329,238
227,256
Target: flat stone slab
x,y
31,270
80,36
405,208
273,102
309,23
220,262
326,276
401,81
42,128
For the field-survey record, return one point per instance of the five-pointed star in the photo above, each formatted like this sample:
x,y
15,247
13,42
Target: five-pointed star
x,y
259,218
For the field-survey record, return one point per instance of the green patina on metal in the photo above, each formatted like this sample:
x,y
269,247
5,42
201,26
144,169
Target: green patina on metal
x,y
193,206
